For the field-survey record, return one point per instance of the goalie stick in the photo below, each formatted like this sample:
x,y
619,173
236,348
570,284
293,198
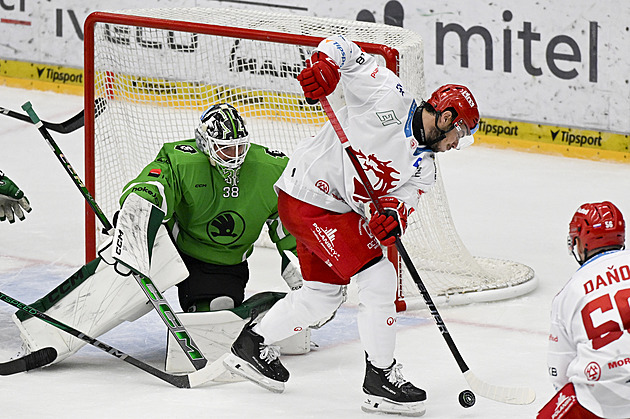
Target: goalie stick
x,y
160,304
510,395
65,127
46,355
28,362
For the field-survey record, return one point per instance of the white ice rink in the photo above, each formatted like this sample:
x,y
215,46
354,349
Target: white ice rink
x,y
506,205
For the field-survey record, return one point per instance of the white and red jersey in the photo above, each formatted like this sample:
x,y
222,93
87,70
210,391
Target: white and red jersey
x,y
377,120
589,342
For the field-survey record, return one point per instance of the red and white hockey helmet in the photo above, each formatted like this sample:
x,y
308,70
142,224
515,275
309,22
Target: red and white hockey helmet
x,y
460,99
597,225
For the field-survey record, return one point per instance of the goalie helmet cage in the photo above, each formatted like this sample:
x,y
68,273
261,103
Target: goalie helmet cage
x,y
158,69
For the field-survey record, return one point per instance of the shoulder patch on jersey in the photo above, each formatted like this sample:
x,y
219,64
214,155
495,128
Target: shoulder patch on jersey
x,y
185,148
155,172
275,153
388,118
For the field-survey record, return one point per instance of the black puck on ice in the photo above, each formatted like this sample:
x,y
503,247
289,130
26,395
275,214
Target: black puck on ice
x,y
467,398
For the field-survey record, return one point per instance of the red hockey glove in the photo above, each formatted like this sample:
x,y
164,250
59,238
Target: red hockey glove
x,y
391,223
321,78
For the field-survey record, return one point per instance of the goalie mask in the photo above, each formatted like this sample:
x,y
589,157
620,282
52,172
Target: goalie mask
x,y
599,226
222,136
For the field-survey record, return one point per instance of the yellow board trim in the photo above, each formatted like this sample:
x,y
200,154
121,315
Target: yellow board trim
x,y
550,139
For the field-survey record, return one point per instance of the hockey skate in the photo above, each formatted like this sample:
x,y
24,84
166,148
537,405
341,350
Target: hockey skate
x,y
257,362
388,392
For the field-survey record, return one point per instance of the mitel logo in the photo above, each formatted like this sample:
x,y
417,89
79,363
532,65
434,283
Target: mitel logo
x,y
557,58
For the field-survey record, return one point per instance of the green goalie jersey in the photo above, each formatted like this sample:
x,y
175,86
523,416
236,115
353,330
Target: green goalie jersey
x,y
210,219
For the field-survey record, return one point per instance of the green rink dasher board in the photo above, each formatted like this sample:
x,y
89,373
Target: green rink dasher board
x,y
550,139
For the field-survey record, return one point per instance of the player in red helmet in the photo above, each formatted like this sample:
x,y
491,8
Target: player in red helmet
x,y
595,228
460,103
588,358
325,206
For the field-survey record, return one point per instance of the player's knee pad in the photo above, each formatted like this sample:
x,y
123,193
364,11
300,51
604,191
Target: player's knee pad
x,y
377,284
96,299
316,301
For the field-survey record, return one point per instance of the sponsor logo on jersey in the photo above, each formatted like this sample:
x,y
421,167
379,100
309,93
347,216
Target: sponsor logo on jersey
x,y
593,371
399,87
226,228
155,172
186,148
388,118
323,186
619,363
564,402
326,238
275,153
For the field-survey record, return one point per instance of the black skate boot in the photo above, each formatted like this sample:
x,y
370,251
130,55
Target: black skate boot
x,y
388,392
257,362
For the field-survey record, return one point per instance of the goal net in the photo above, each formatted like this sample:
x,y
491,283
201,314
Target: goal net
x,y
149,74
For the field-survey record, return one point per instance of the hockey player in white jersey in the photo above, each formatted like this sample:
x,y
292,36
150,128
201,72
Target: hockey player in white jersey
x,y
589,341
323,204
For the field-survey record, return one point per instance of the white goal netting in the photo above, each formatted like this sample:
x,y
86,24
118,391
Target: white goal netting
x,y
152,72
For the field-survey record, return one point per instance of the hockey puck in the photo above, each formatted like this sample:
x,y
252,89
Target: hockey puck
x,y
467,398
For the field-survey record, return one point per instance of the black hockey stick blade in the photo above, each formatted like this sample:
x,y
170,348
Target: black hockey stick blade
x,y
28,362
65,127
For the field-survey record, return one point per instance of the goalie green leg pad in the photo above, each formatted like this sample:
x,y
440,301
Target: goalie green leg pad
x,y
96,299
215,331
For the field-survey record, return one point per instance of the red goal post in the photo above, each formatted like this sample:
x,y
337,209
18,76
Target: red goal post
x,y
159,68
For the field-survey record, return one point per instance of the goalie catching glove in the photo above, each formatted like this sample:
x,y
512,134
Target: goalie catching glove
x,y
321,78
12,200
391,223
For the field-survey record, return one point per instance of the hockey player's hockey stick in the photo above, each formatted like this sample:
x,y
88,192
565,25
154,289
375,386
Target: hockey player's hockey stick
x,y
28,362
511,395
193,379
160,304
65,127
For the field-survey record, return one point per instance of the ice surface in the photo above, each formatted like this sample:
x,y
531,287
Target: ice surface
x,y
506,204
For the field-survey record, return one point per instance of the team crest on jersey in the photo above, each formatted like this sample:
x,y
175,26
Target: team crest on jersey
x,y
593,371
186,148
226,228
388,118
384,173
275,153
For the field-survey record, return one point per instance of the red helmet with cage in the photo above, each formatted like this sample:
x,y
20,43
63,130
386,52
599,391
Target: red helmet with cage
x,y
597,225
461,100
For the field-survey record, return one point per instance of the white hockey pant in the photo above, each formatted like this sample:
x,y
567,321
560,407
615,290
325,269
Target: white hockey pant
x,y
299,309
377,312
102,302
